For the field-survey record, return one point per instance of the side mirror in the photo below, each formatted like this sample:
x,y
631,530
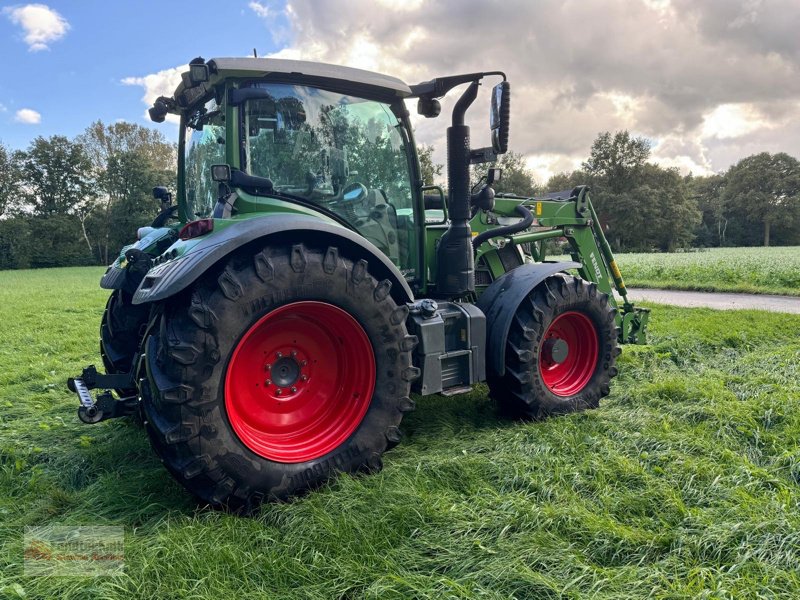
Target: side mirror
x,y
500,116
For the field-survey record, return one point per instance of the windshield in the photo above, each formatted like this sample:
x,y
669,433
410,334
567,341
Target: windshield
x,y
205,146
346,154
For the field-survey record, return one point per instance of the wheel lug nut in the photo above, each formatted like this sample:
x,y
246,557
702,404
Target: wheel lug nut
x,y
303,363
304,378
279,355
267,367
278,392
268,382
294,352
294,389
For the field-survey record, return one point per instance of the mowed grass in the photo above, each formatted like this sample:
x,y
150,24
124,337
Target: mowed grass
x,y
684,484
754,270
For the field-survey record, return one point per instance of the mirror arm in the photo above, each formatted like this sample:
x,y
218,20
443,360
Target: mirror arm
x,y
482,155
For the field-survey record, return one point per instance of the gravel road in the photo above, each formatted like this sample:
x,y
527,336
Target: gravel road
x,y
718,300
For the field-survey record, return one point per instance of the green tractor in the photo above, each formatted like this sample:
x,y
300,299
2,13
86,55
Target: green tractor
x,y
271,327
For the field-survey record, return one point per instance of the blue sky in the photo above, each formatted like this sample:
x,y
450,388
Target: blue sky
x,y
78,78
708,83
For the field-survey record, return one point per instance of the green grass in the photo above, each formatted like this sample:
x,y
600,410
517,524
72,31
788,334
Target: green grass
x,y
683,484
753,270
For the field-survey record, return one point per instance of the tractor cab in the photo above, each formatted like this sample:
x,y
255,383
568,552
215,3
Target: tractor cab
x,y
295,136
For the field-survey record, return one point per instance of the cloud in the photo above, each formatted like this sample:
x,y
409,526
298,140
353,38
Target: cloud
x,y
261,10
3,107
28,116
41,24
707,82
158,84
697,77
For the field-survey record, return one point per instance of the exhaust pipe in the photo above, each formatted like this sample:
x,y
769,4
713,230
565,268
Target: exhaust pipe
x,y
455,274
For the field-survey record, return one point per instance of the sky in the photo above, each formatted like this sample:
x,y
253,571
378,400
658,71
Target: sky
x,y
707,82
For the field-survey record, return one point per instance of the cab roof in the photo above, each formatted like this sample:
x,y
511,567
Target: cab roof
x,y
262,67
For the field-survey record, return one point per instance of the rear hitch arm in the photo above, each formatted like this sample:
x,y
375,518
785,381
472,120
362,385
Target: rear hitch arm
x,y
105,406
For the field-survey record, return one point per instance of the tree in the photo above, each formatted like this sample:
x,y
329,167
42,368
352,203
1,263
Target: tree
x,y
102,141
766,188
131,178
708,193
10,177
429,170
517,178
55,175
617,159
127,161
567,181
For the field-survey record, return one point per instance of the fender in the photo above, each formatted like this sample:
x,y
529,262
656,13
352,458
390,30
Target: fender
x,y
169,278
500,301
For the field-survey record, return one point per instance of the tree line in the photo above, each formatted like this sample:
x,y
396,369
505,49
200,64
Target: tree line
x,y
78,201
645,207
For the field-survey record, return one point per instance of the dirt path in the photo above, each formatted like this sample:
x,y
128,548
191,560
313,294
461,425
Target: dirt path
x,y
718,300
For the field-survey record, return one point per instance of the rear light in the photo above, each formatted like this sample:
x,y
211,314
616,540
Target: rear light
x,y
196,229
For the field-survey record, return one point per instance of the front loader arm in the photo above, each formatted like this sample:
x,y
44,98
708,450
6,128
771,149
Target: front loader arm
x,y
575,219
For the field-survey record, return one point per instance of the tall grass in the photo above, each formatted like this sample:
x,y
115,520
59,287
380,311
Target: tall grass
x,y
755,270
685,483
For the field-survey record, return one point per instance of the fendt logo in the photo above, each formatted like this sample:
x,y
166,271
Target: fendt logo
x,y
597,271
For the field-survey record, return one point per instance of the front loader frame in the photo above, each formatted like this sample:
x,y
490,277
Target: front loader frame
x,y
568,215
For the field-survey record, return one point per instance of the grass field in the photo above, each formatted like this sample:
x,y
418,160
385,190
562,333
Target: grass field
x,y
685,483
754,270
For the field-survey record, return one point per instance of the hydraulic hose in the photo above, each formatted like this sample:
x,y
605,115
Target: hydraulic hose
x,y
527,220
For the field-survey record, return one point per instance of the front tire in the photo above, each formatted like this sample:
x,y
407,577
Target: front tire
x,y
561,350
285,367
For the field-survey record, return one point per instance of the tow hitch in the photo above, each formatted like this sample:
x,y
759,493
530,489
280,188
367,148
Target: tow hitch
x,y
105,406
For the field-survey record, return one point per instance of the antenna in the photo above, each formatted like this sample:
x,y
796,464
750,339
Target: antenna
x,y
255,54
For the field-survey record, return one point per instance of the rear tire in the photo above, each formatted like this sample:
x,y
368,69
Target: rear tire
x,y
560,351
121,331
310,322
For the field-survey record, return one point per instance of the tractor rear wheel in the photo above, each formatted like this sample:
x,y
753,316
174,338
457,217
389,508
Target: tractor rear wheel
x,y
281,369
121,330
560,351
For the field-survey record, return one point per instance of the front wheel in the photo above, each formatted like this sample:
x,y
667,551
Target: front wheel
x,y
560,351
285,367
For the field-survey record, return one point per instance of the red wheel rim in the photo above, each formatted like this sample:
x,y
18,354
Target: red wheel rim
x,y
568,353
299,382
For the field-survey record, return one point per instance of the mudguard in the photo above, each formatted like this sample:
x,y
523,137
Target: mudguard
x,y
169,278
118,275
500,301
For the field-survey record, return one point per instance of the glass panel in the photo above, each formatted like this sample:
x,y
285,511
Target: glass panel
x,y
205,146
344,153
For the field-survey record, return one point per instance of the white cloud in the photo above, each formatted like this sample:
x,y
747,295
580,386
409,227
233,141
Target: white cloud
x,y
158,84
732,120
28,116
41,24
261,10
3,107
